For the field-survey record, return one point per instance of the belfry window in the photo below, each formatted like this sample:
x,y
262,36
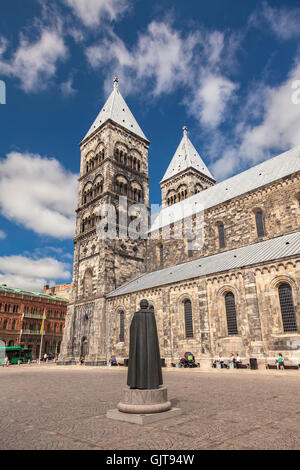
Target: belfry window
x,y
121,335
287,308
231,314
221,233
259,223
188,316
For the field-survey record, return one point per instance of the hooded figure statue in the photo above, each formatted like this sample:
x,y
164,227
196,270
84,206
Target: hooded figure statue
x,y
144,366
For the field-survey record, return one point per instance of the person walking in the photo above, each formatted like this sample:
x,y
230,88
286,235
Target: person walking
x,y
280,362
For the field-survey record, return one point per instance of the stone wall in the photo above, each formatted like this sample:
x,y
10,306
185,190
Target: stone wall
x,y
260,329
278,201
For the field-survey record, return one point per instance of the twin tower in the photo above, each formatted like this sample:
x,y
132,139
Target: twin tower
x,y
114,163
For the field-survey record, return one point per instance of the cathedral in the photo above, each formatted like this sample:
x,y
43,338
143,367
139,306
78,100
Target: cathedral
x,y
234,289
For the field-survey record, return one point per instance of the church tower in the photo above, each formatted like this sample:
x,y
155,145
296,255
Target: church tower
x,y
114,162
186,175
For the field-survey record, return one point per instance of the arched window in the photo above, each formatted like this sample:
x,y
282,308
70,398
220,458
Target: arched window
x,y
259,223
88,283
287,308
121,335
221,234
231,314
188,316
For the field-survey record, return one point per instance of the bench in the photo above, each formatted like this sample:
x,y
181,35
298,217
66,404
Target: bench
x,y
174,365
236,366
242,366
288,367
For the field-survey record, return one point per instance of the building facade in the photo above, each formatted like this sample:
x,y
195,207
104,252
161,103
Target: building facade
x,y
232,286
21,316
62,290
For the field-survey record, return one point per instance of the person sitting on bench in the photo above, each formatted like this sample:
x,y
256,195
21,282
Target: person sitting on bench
x,y
113,361
238,360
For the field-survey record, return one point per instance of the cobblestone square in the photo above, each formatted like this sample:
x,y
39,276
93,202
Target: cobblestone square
x,y
59,407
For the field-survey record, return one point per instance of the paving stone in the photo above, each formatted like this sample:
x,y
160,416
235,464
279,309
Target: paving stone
x,y
65,408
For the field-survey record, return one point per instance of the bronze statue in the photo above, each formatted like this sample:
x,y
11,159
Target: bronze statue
x,y
144,367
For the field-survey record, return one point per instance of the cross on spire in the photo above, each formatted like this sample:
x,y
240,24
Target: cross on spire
x,y
116,82
184,130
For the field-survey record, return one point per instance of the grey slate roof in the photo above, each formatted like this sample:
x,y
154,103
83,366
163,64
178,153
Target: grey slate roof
x,y
275,248
186,156
117,110
270,170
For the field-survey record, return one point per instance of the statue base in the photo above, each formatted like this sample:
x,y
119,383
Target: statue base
x,y
138,401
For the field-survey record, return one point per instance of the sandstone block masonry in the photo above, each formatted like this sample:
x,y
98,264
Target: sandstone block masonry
x,y
252,309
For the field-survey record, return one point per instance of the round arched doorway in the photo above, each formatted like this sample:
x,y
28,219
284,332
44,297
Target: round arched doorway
x,y
84,347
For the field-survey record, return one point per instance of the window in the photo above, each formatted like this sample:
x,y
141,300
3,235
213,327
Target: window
x,y
188,316
88,283
259,223
121,336
221,235
13,326
231,314
5,324
161,255
287,308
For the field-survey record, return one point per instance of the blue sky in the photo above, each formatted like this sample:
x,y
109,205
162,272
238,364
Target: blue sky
x,y
224,68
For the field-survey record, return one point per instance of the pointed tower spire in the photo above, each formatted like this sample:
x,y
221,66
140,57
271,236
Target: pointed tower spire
x,y
116,110
186,175
186,156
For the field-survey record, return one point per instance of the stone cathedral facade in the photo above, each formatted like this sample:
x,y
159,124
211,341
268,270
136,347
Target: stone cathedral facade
x,y
236,291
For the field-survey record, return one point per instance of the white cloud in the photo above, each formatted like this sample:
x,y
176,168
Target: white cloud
x,y
34,63
280,126
164,59
67,88
38,193
27,273
269,124
91,12
2,235
283,22
211,98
